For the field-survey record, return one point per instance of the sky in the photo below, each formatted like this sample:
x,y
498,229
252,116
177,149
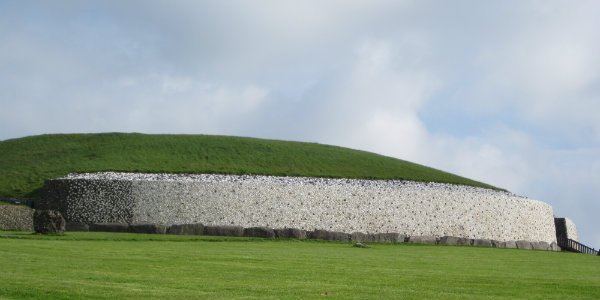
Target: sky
x,y
503,92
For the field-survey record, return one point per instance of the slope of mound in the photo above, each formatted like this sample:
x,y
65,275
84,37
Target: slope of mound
x,y
26,162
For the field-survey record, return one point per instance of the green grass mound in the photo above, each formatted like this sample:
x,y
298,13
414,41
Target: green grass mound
x,y
95,265
26,162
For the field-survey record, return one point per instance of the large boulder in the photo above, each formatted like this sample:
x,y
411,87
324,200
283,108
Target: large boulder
x,y
540,246
329,235
455,241
109,227
290,233
524,245
423,239
224,230
148,228
482,243
389,237
77,226
48,221
186,229
260,232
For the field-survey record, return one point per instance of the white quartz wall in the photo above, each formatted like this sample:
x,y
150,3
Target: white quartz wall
x,y
571,229
409,208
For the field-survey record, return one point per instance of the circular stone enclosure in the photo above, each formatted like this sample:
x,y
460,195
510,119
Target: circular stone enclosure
x,y
344,205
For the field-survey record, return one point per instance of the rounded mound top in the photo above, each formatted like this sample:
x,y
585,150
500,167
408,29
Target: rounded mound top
x,y
26,162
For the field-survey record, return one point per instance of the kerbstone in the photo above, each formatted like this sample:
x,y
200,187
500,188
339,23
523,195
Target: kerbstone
x,y
148,228
261,232
186,229
482,243
237,231
524,245
329,235
455,241
540,246
290,233
423,240
109,227
77,226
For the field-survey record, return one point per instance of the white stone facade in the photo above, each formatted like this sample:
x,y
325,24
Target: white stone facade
x,y
345,205
571,229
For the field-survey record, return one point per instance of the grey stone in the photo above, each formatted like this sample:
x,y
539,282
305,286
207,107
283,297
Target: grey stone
x,y
455,241
261,232
147,228
329,235
186,229
360,245
423,239
389,237
540,246
510,244
290,233
554,247
521,244
224,230
77,226
361,237
482,243
48,221
109,227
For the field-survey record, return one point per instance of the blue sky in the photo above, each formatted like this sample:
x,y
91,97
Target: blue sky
x,y
505,92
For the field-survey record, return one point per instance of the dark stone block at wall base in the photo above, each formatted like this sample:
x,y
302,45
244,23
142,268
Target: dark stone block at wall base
x,y
455,241
186,229
224,230
524,245
540,246
48,221
425,239
148,228
482,243
290,233
77,226
387,237
362,237
329,235
109,227
260,232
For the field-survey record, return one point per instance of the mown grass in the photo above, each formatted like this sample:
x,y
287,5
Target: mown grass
x,y
26,162
136,266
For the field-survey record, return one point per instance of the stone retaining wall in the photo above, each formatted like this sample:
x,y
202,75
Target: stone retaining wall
x,y
335,205
16,217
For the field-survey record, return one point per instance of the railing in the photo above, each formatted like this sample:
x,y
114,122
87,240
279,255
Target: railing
x,y
574,246
28,202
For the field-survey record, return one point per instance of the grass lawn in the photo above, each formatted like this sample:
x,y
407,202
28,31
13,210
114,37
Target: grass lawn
x,y
26,162
135,266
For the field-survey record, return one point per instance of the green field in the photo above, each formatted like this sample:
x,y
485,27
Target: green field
x,y
26,162
136,266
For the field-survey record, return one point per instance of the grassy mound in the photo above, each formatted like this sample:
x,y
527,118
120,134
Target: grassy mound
x,y
95,265
26,162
